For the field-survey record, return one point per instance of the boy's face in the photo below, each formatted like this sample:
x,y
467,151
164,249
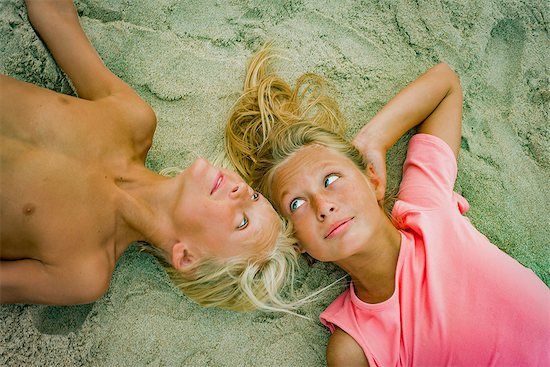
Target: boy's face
x,y
221,216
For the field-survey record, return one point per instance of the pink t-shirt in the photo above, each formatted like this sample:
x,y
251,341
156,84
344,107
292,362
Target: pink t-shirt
x,y
458,300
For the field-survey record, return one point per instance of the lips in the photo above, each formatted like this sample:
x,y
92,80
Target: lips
x,y
338,227
217,183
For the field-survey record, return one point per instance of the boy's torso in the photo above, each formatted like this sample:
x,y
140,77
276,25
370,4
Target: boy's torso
x,y
58,168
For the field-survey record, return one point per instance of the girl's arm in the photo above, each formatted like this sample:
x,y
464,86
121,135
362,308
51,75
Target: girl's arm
x,y
343,350
433,102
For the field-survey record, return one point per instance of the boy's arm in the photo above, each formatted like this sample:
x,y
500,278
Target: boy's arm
x,y
57,23
30,281
433,102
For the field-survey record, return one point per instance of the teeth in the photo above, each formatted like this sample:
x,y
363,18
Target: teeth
x,y
217,184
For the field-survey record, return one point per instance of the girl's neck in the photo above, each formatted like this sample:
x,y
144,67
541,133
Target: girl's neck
x,y
373,270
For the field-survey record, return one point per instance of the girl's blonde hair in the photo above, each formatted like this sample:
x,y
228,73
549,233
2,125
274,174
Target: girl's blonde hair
x,y
272,120
268,123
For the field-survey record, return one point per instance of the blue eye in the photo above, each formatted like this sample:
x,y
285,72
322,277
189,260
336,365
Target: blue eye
x,y
243,223
295,204
330,179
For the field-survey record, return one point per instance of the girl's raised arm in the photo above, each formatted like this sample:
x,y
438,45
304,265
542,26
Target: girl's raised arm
x,y
433,102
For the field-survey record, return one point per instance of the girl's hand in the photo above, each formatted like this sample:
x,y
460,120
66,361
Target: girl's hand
x,y
373,154
433,102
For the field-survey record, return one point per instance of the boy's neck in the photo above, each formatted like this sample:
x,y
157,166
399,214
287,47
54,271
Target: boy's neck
x,y
144,201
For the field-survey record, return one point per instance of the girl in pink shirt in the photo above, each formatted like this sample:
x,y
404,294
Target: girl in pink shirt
x,y
427,288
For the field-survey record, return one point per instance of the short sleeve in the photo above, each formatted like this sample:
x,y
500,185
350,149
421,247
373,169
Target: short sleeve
x,y
429,172
328,316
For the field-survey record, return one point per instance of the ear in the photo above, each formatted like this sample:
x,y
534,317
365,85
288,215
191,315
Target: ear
x,y
182,258
378,186
299,248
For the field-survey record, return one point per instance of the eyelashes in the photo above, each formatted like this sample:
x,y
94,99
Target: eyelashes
x,y
244,222
295,204
330,179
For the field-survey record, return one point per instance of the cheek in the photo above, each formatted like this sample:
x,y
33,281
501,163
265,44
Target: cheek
x,y
205,215
303,229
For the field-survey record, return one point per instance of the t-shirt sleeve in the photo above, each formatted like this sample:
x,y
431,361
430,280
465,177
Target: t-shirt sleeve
x,y
429,172
329,316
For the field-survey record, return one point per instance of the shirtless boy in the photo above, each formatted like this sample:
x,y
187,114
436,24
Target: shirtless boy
x,y
75,192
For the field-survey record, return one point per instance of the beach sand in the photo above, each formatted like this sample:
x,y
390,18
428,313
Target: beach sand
x,y
187,58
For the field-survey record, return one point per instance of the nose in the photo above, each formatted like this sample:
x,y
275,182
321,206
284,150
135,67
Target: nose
x,y
199,167
323,207
240,191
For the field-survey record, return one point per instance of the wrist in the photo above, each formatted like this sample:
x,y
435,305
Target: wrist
x,y
373,138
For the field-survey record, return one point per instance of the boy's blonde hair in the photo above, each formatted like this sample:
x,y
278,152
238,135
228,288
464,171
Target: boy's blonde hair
x,y
239,283
272,120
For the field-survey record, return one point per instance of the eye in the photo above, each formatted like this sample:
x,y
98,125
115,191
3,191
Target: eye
x,y
255,196
295,204
243,224
330,179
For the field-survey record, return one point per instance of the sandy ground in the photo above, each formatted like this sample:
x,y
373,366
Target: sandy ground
x,y
186,58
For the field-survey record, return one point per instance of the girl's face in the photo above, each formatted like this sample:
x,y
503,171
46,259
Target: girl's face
x,y
219,215
332,204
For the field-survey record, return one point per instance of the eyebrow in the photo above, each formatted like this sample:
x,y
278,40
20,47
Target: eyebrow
x,y
322,167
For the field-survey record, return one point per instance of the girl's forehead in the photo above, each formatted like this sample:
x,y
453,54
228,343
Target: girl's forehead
x,y
312,156
300,161
298,168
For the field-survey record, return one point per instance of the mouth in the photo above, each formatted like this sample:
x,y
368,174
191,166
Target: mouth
x,y
338,227
217,183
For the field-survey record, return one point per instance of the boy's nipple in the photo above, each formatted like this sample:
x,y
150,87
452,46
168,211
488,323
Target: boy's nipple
x,y
29,209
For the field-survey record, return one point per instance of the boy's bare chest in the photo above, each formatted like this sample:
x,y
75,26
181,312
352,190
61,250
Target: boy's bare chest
x,y
53,206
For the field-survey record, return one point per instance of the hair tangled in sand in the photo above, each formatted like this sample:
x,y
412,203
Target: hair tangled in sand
x,y
268,123
272,120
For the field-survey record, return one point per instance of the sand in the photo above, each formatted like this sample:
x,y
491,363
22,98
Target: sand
x,y
186,58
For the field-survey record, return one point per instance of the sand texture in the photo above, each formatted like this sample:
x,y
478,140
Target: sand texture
x,y
186,58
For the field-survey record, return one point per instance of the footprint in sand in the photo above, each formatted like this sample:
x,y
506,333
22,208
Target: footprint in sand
x,y
60,320
504,54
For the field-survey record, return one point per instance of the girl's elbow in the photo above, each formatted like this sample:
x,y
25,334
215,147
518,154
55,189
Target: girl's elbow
x,y
450,75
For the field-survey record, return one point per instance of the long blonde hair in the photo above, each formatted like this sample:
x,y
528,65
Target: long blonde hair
x,y
272,120
268,123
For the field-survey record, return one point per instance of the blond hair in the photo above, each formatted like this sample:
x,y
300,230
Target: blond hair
x,y
240,283
268,123
272,120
